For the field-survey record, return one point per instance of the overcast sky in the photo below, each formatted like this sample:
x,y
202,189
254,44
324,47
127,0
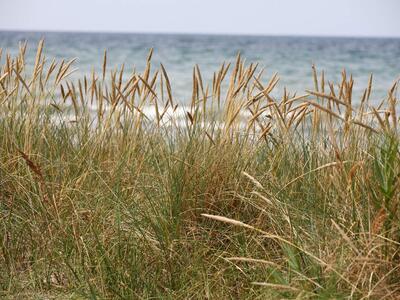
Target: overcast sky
x,y
269,17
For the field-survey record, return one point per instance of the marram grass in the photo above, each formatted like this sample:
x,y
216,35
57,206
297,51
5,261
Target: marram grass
x,y
110,189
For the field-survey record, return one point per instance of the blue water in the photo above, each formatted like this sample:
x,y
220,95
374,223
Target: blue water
x,y
291,57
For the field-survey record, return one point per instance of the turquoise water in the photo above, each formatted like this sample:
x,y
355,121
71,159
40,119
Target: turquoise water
x,y
291,57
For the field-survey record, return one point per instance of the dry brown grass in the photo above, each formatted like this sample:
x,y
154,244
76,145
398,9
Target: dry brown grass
x,y
110,188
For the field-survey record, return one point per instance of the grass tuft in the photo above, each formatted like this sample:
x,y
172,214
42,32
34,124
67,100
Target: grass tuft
x,y
111,188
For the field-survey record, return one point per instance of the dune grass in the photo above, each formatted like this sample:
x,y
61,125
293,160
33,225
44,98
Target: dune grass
x,y
109,189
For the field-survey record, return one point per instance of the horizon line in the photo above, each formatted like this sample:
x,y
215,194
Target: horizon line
x,y
199,33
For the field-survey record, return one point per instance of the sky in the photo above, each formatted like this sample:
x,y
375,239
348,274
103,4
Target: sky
x,y
377,18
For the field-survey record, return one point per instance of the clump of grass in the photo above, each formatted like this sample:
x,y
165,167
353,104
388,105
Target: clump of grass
x,y
112,189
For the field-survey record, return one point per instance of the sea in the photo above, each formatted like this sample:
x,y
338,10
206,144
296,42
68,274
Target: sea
x,y
291,57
